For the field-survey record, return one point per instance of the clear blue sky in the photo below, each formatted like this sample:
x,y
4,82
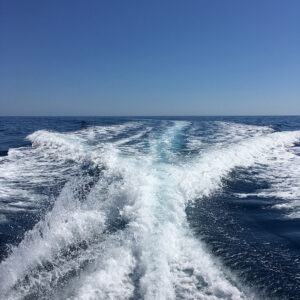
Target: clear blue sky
x,y
154,57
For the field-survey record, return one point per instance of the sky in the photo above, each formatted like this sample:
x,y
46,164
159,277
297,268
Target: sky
x,y
154,57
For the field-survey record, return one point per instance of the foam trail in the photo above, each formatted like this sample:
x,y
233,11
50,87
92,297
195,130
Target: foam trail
x,y
280,168
53,160
66,224
212,135
129,236
158,224
213,165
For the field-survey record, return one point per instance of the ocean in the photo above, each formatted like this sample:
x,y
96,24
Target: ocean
x,y
150,208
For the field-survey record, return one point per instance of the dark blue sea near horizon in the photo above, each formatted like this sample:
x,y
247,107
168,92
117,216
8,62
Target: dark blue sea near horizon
x,y
150,208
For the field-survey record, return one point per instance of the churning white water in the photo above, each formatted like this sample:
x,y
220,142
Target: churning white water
x,y
123,233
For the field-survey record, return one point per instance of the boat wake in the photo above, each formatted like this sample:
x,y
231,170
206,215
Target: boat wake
x,y
117,228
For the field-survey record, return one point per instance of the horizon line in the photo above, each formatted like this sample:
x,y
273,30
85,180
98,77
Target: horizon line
x,y
142,116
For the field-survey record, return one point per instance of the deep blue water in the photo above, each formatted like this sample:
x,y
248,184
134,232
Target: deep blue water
x,y
150,207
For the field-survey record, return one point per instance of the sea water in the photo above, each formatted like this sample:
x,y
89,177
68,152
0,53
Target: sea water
x,y
150,208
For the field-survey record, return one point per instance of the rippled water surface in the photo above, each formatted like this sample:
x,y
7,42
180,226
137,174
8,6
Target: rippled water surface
x,y
150,208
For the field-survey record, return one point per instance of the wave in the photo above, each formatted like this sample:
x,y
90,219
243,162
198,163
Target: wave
x,y
123,232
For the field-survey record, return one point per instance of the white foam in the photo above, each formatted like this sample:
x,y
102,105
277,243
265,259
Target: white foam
x,y
67,223
281,166
164,249
213,165
282,172
221,134
156,255
55,157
